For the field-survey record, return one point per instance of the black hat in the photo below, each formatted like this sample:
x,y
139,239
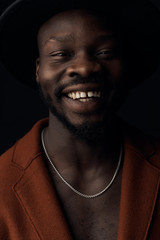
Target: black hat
x,y
20,22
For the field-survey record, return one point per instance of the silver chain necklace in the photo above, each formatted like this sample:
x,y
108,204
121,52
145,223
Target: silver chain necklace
x,y
70,186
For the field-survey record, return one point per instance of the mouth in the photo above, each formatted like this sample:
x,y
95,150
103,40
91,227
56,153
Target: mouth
x,y
84,96
83,92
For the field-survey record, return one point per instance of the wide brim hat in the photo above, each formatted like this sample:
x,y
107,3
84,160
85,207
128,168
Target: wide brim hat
x,y
20,22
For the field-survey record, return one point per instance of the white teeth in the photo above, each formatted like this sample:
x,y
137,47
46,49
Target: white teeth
x,y
70,95
74,95
90,94
85,99
78,95
84,96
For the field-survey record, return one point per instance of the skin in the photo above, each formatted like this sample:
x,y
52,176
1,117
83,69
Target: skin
x,y
77,44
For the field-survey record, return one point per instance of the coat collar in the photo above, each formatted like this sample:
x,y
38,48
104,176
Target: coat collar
x,y
38,198
139,191
29,147
133,140
35,190
140,182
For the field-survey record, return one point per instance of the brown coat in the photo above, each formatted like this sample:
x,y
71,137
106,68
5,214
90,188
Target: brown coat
x,y
29,209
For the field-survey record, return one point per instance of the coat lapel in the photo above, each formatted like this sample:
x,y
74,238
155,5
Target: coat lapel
x,y
139,190
38,198
35,190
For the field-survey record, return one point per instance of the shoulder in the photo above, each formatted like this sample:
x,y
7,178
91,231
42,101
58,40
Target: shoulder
x,y
146,145
18,157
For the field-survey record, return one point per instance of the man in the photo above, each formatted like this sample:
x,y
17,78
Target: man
x,y
82,173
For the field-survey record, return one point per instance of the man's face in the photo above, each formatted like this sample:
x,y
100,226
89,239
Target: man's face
x,y
80,69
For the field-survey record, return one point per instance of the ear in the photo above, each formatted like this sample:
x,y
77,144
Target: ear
x,y
37,69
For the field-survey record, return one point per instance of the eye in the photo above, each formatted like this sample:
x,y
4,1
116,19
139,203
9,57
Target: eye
x,y
60,54
105,54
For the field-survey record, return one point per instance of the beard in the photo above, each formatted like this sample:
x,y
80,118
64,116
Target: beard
x,y
88,131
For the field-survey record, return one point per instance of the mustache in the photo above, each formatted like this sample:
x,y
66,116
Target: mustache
x,y
101,80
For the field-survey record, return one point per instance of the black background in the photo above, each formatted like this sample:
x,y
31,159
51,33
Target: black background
x,y
21,107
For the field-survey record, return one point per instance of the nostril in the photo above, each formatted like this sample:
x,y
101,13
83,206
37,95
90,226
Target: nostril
x,y
73,74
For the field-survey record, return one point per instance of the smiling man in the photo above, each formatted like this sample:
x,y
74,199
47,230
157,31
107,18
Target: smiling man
x,y
82,173
79,72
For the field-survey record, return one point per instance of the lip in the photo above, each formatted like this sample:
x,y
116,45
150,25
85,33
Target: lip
x,y
82,88
80,107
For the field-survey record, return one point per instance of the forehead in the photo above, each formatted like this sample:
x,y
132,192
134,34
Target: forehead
x,y
74,21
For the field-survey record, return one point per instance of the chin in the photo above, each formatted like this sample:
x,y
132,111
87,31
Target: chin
x,y
89,128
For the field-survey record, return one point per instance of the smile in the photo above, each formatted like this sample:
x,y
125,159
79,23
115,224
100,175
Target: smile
x,y
84,96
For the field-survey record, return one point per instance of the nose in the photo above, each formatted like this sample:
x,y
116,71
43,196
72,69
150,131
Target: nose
x,y
83,66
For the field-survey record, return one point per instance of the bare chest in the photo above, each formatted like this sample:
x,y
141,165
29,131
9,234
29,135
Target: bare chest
x,y
91,219
95,224
94,219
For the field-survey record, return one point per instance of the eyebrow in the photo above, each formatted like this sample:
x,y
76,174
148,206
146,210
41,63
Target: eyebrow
x,y
70,37
64,38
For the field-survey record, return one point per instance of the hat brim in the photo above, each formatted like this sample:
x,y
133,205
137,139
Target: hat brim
x,y
19,25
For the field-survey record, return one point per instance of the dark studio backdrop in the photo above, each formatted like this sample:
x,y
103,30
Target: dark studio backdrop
x,y
21,107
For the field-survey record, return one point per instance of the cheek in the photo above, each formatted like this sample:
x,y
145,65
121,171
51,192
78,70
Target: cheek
x,y
45,80
45,72
49,80
47,77
49,73
116,70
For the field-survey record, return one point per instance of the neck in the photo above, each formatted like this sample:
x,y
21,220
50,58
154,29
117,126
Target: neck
x,y
86,166
62,143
